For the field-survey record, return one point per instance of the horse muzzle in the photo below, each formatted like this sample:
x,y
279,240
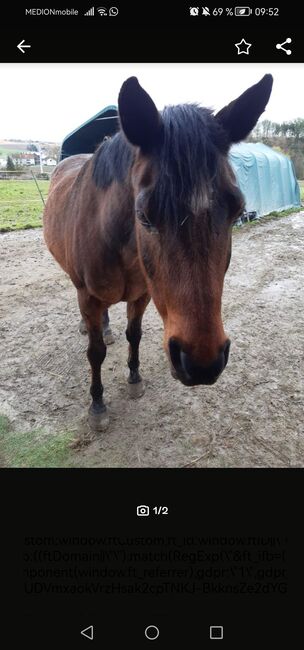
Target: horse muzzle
x,y
192,374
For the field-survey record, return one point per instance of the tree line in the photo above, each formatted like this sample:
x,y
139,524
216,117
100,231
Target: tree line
x,y
286,137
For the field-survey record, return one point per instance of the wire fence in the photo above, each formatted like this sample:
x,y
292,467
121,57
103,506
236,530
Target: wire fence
x,y
22,198
24,175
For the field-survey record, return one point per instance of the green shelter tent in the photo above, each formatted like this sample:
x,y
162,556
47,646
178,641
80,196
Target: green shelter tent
x,y
266,178
87,137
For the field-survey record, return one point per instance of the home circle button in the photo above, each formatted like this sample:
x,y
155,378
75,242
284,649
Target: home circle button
x,y
152,632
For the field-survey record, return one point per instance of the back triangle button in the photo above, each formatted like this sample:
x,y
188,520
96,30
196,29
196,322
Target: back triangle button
x,y
88,632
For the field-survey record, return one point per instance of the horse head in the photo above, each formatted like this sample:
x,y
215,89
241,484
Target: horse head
x,y
186,200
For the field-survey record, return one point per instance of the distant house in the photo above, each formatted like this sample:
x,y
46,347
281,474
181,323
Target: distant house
x,y
2,163
50,162
27,161
24,158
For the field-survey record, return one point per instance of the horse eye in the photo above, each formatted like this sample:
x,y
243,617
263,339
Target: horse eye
x,y
145,222
141,216
235,203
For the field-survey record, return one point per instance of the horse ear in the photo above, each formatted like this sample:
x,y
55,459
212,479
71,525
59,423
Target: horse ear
x,y
139,117
241,115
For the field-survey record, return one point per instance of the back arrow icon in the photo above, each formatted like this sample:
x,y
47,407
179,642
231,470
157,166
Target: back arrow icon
x,y
22,45
88,632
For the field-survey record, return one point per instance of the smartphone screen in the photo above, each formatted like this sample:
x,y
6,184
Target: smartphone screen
x,y
151,306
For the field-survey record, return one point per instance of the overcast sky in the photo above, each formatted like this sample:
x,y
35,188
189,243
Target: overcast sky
x,y
47,101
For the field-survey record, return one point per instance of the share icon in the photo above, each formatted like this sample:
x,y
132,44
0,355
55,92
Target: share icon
x,y
279,46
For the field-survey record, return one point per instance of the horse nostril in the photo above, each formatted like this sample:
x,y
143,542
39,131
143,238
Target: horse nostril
x,y
174,351
192,373
187,365
226,349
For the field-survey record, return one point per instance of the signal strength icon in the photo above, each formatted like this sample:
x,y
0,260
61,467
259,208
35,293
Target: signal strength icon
x,y
102,11
90,12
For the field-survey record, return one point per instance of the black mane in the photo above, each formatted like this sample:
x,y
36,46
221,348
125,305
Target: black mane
x,y
187,161
112,161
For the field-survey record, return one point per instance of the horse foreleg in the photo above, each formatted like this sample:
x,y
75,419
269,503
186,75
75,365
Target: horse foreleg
x,y
135,311
91,310
107,333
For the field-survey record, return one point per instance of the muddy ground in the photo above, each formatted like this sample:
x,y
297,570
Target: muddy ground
x,y
252,417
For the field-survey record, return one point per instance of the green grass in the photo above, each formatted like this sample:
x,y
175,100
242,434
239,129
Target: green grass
x,y
268,217
20,204
282,213
6,151
301,183
34,448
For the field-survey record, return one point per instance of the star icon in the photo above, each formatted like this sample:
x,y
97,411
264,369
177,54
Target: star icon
x,y
243,47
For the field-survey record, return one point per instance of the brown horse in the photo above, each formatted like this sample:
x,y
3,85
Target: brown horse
x,y
150,213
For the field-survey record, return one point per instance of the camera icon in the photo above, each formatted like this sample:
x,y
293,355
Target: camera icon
x,y
143,511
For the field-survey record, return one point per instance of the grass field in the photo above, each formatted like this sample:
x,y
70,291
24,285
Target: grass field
x,y
8,152
301,183
20,204
35,448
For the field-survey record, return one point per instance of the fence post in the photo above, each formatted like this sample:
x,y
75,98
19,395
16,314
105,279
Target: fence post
x,y
38,188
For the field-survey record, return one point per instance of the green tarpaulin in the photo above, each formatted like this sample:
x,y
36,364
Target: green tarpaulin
x,y
266,178
87,137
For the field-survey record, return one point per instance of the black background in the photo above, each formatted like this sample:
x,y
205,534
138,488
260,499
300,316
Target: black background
x,y
152,32
103,502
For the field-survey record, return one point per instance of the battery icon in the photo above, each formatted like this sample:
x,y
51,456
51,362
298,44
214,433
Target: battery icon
x,y
242,11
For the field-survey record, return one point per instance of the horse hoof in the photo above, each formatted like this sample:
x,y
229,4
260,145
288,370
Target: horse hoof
x,y
82,328
98,421
108,337
136,390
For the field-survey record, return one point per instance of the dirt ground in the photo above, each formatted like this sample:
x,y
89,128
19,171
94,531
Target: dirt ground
x,y
252,417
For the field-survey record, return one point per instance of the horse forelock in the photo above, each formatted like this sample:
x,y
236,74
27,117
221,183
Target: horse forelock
x,y
188,162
